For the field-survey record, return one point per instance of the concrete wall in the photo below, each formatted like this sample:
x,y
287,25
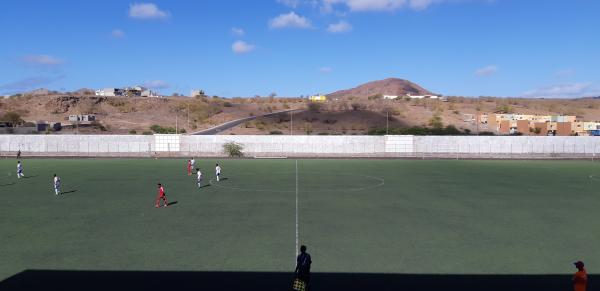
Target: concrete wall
x,y
303,146
84,145
281,145
507,144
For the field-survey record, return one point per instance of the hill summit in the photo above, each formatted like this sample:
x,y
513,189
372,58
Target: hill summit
x,y
390,86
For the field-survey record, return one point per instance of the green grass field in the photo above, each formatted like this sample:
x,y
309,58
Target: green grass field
x,y
358,216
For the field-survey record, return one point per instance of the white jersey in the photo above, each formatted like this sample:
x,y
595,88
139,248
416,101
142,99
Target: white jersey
x,y
19,167
199,175
56,181
218,170
192,162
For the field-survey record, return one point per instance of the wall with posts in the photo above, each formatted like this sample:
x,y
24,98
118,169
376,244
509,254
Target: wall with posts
x,y
78,145
517,145
285,145
303,146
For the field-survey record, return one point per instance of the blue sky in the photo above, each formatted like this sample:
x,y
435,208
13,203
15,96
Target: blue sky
x,y
532,48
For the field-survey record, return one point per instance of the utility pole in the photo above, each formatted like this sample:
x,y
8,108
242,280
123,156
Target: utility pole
x,y
292,122
188,115
176,129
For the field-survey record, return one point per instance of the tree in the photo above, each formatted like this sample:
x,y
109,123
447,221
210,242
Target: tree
x,y
13,117
314,107
233,149
436,122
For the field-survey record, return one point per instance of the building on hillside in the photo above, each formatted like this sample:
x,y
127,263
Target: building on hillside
x,y
318,98
110,92
82,118
198,92
409,95
563,129
135,91
523,126
390,97
150,93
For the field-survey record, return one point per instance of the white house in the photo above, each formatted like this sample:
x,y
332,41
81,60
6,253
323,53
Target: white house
x,y
390,97
109,92
422,96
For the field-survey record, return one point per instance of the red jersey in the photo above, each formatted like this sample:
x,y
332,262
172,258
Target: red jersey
x,y
161,191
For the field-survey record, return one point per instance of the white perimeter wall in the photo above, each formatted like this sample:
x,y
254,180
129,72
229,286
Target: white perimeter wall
x,y
286,145
301,145
507,144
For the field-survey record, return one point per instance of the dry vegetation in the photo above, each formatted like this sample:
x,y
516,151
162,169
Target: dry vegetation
x,y
351,115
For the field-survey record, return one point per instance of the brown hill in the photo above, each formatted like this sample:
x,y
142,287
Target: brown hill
x,y
390,86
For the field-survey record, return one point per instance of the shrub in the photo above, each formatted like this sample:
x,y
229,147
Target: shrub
x,y
182,130
227,104
314,107
132,131
13,117
357,106
98,125
162,130
436,121
147,133
276,132
233,149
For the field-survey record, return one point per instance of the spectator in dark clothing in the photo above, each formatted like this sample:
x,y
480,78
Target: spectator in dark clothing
x,y
303,266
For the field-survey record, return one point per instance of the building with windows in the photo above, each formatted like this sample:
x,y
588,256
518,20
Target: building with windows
x,y
318,98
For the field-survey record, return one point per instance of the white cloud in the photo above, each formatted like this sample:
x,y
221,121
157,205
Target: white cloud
x,y
41,60
147,11
420,4
564,91
339,27
237,31
290,20
289,3
564,73
325,69
117,33
242,47
156,84
381,5
486,71
29,83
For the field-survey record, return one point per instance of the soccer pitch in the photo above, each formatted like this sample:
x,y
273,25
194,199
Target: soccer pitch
x,y
355,216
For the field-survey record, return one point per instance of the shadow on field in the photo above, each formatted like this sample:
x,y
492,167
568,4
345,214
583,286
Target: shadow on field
x,y
159,280
172,203
9,184
29,177
69,192
204,186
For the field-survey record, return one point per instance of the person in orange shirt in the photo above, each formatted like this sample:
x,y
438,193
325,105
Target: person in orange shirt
x,y
580,278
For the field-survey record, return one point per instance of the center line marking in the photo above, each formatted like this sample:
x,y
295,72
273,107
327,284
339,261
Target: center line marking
x,y
296,250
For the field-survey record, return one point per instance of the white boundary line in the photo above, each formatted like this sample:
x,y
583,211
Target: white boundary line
x,y
296,250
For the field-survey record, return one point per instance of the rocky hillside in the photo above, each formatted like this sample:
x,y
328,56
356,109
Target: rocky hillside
x,y
390,86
